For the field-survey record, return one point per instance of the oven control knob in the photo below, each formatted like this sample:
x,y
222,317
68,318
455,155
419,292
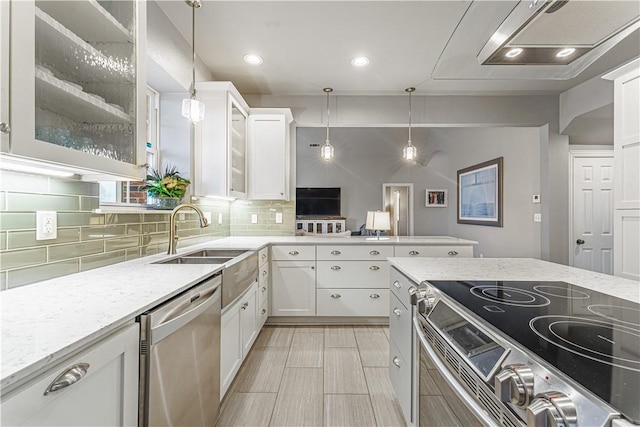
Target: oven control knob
x,y
552,409
515,384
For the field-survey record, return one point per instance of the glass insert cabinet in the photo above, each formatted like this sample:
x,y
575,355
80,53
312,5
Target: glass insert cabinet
x,y
77,85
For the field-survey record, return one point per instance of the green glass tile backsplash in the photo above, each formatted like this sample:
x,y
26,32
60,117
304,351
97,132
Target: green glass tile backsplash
x,y
89,239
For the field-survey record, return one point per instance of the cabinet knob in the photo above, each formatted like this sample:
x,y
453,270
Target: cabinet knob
x,y
397,311
374,253
68,378
336,267
335,252
335,296
374,296
414,253
374,268
264,289
264,311
5,128
294,253
452,253
264,256
397,284
264,272
396,361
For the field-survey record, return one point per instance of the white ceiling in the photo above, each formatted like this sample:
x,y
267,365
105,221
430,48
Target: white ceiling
x,y
308,45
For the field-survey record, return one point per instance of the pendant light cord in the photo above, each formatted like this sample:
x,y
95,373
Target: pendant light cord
x,y
327,115
193,50
410,117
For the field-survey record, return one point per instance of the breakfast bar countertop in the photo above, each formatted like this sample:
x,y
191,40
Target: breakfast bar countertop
x,y
46,322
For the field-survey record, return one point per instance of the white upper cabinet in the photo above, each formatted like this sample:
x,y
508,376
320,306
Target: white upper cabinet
x,y
270,153
77,86
220,150
4,76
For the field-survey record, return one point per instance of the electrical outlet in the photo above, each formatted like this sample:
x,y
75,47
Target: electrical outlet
x,y
537,217
278,217
207,216
46,225
535,198
219,218
254,218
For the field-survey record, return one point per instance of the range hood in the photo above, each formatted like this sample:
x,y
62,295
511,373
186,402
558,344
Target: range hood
x,y
559,32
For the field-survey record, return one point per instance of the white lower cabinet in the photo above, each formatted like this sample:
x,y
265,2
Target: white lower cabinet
x,y
400,373
353,302
240,327
97,387
293,288
441,251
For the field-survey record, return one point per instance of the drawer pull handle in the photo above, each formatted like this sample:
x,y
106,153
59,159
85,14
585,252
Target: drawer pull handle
x,y
264,272
264,311
264,289
264,256
374,296
68,378
396,361
452,253
335,296
244,306
397,284
414,253
294,253
335,252
374,268
374,253
336,267
397,311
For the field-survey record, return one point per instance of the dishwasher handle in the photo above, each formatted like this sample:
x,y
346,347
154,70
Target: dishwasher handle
x,y
163,330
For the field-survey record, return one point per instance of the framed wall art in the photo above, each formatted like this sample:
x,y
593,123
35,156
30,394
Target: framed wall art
x,y
480,194
436,198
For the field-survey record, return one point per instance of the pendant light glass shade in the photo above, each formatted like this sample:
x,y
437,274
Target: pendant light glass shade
x,y
410,152
327,152
193,109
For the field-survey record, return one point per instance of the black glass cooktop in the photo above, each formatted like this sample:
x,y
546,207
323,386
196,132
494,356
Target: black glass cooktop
x,y
591,337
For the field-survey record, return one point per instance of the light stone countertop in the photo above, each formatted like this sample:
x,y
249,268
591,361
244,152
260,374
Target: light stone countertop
x,y
44,323
420,269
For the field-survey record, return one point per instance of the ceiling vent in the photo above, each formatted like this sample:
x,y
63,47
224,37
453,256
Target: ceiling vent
x,y
558,32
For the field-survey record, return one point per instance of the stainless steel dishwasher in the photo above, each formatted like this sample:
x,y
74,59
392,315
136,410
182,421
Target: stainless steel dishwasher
x,y
180,359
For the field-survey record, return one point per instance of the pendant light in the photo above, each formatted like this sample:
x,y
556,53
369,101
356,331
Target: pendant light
x,y
193,109
410,153
327,151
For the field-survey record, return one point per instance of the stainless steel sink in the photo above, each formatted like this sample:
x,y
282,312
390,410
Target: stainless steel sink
x,y
195,260
232,253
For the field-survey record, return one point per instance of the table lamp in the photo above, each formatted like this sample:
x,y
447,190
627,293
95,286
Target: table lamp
x,y
376,221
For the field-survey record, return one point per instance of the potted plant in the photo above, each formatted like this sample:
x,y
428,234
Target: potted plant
x,y
165,188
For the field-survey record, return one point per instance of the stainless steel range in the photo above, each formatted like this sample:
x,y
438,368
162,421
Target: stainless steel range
x,y
517,353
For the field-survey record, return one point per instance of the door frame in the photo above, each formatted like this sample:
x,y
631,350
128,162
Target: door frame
x,y
573,155
409,185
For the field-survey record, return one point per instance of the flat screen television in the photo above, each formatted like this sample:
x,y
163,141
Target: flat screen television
x,y
318,201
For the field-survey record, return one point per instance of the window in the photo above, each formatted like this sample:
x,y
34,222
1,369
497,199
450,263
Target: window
x,y
130,192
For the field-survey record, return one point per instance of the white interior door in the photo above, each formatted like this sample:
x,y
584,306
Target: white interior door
x,y
397,199
592,211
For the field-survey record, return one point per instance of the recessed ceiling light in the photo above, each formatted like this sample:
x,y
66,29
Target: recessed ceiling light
x,y
565,52
360,61
253,59
513,52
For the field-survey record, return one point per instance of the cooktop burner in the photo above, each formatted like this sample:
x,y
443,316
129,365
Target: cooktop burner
x,y
591,337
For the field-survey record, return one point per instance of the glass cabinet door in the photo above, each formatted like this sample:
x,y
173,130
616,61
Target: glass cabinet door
x,y
238,157
85,79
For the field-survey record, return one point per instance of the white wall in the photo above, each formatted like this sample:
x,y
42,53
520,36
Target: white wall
x,y
368,157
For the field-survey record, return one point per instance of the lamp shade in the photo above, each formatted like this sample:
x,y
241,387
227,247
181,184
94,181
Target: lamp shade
x,y
193,109
378,220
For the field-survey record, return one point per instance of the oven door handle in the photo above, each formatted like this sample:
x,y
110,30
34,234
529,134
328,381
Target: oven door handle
x,y
461,392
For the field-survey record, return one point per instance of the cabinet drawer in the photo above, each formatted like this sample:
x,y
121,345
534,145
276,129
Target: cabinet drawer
x,y
352,274
293,253
263,293
434,251
356,253
352,302
400,326
263,256
262,315
263,274
400,287
400,375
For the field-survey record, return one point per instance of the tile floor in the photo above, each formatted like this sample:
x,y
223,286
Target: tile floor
x,y
314,376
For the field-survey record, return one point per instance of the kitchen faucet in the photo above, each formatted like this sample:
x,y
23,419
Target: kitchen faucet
x,y
173,228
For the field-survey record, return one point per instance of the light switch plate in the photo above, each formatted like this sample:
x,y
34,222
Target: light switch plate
x,y
254,218
537,217
278,217
46,225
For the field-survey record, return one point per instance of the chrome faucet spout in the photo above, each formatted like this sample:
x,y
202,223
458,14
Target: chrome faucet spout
x,y
173,228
